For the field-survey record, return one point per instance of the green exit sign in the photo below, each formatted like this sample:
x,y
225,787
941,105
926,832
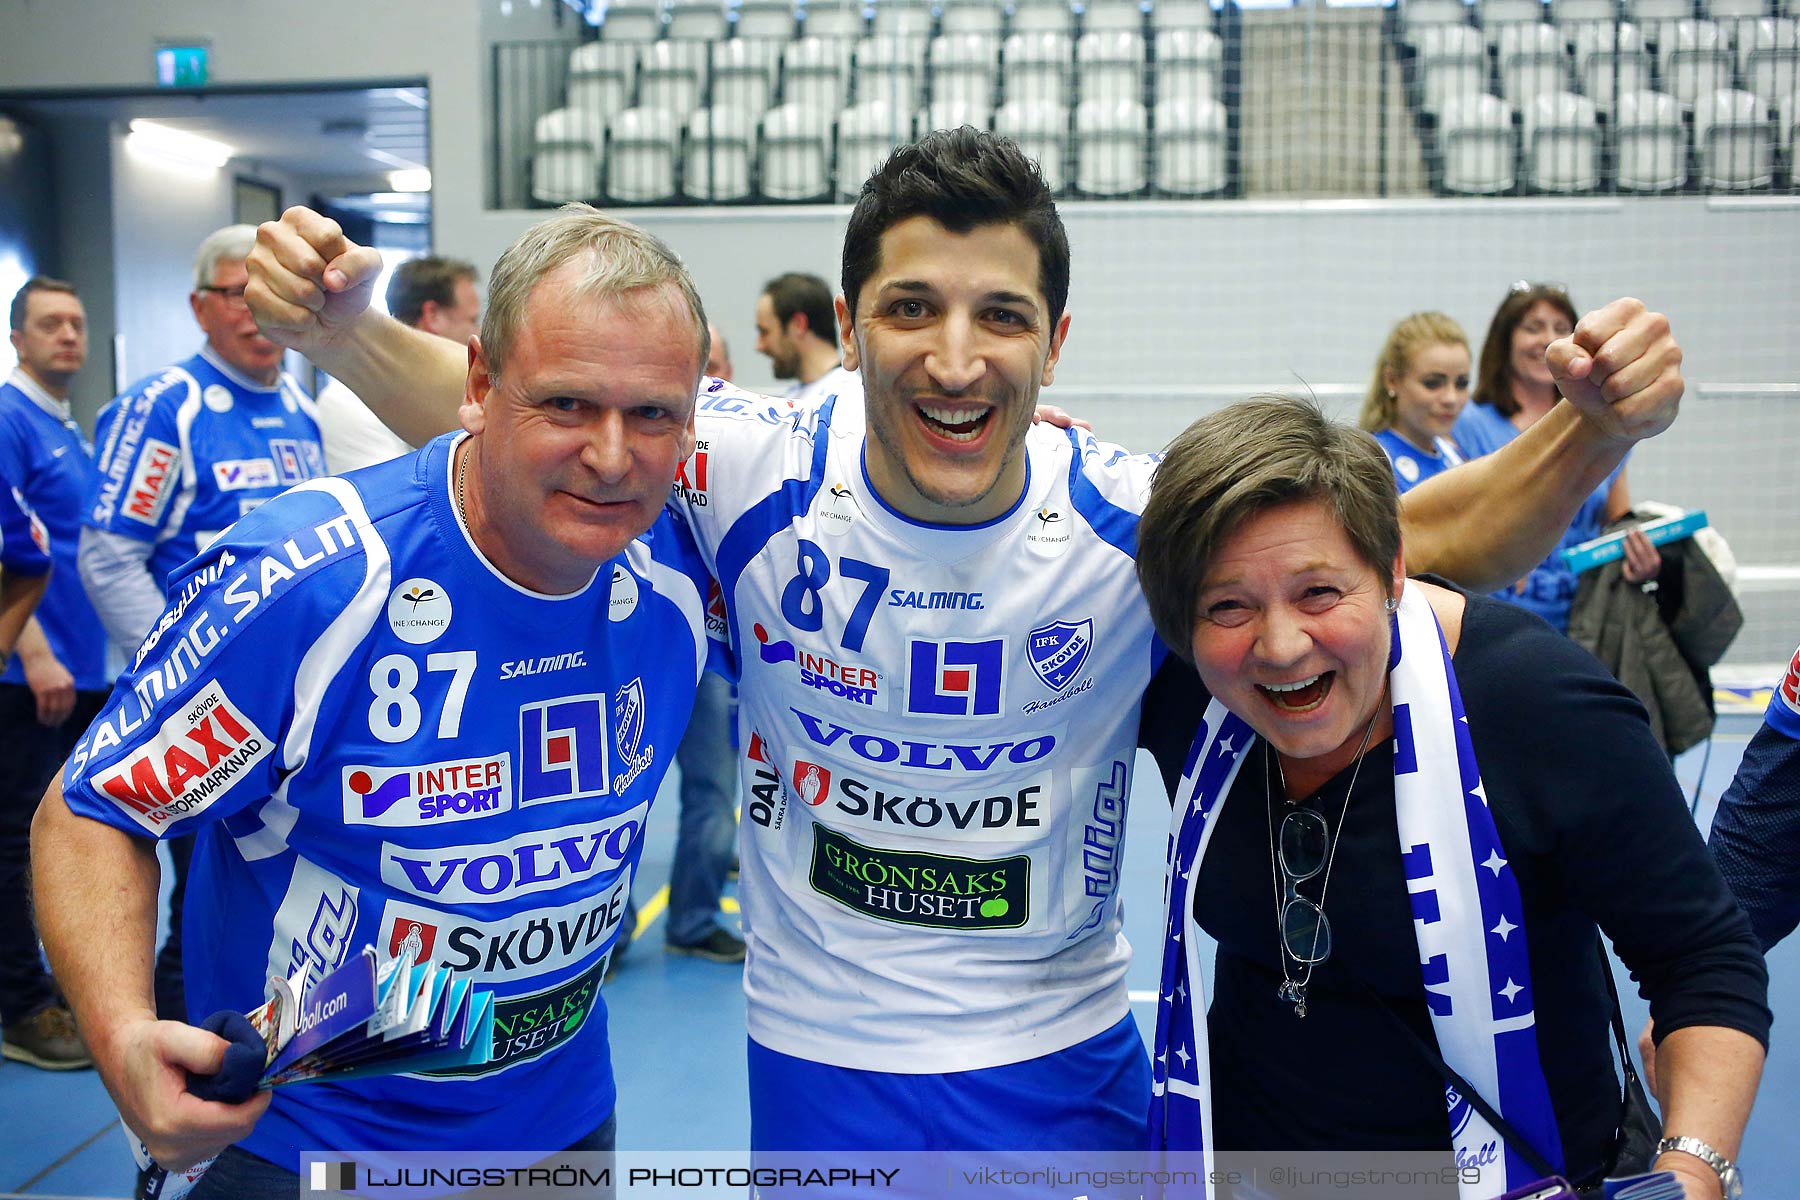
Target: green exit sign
x,y
181,66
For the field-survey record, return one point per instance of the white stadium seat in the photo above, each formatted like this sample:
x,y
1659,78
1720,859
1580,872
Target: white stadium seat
x,y
1452,63
743,75
972,16
768,20
1109,65
1693,59
1113,14
890,69
641,154
867,133
1190,146
697,21
814,71
1035,66
602,76
631,23
1475,134
965,67
672,76
1188,64
794,153
1652,142
1110,137
1041,127
1496,15
1534,61
954,114
717,156
1569,13
1183,14
845,22
565,156
898,18
1562,143
1043,16
1736,140
1770,58
1418,16
1611,61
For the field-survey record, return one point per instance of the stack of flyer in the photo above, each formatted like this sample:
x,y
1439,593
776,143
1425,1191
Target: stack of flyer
x,y
359,1021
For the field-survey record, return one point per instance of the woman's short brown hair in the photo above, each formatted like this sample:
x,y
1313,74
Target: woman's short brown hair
x,y
1230,465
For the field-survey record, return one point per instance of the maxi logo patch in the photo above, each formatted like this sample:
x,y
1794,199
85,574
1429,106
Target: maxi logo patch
x,y
197,756
147,495
936,891
528,1027
1059,650
956,679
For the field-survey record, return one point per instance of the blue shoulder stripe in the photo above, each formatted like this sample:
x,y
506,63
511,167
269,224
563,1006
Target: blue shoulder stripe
x,y
770,515
1116,526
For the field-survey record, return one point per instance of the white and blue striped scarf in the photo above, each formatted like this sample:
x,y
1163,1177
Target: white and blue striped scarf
x,y
1466,915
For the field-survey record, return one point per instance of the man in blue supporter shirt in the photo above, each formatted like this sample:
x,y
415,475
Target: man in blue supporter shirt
x,y
184,454
944,652
429,704
60,676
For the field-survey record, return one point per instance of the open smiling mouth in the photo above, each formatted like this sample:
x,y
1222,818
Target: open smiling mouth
x,y
958,425
1302,696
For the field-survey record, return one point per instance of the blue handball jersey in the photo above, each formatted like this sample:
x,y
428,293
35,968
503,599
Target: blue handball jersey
x,y
383,740
1413,466
44,454
189,450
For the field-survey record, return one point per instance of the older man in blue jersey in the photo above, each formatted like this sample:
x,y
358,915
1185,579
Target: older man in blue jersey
x,y
944,653
429,707
183,454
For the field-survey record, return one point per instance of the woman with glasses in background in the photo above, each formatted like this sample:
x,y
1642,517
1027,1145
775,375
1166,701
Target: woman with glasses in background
x,y
1513,388
1419,388
1405,812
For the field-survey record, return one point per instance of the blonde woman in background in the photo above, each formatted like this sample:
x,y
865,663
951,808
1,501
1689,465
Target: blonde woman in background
x,y
1419,387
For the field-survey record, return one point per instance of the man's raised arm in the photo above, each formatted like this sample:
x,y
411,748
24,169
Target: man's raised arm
x,y
1487,523
310,288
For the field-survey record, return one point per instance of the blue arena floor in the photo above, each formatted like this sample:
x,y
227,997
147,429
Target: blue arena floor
x,y
678,1033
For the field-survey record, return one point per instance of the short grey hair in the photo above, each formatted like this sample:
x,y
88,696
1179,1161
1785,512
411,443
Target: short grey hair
x,y
618,259
1233,464
222,245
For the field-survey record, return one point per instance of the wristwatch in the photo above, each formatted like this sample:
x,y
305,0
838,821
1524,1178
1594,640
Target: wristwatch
x,y
1731,1180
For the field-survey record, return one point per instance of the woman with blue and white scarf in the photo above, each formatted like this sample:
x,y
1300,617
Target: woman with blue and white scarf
x,y
1404,813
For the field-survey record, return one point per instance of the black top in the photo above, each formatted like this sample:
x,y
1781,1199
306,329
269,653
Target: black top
x,y
1594,825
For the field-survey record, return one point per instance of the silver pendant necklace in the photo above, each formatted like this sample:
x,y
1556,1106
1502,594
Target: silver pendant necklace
x,y
1294,990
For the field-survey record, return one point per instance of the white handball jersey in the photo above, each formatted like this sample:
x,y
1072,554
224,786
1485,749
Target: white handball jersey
x,y
938,727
